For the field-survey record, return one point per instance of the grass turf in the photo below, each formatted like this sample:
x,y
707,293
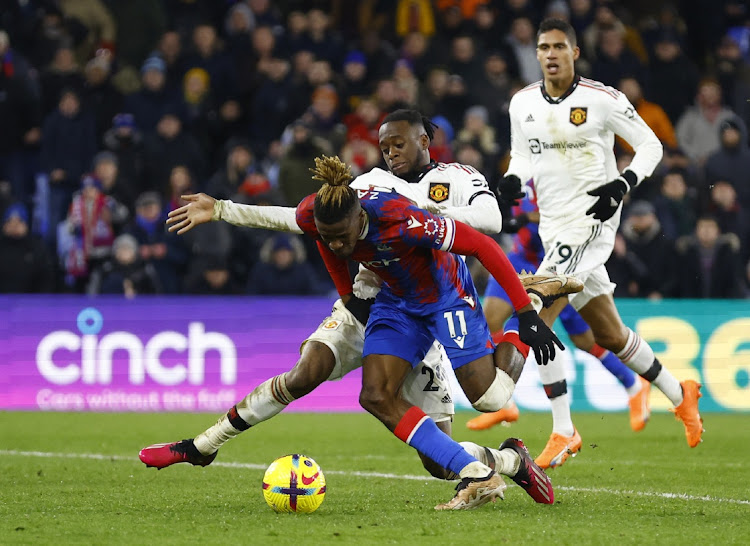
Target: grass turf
x,y
75,478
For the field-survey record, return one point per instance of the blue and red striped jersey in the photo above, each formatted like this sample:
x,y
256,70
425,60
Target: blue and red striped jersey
x,y
409,248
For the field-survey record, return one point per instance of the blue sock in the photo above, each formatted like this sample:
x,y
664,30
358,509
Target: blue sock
x,y
421,432
614,365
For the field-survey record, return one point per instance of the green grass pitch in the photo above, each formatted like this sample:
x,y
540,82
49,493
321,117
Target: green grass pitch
x,y
68,478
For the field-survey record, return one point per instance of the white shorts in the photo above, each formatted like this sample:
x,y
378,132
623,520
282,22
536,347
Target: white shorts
x,y
584,259
426,386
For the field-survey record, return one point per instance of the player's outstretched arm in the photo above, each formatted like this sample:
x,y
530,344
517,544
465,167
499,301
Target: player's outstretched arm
x,y
202,208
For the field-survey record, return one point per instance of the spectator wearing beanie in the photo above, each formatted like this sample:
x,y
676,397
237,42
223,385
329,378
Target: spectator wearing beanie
x,y
27,266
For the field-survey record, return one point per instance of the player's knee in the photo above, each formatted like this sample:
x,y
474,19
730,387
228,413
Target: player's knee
x,y
306,375
612,339
497,394
583,341
311,370
373,400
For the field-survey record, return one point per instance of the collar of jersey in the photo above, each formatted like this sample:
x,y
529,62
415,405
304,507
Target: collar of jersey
x,y
416,177
562,97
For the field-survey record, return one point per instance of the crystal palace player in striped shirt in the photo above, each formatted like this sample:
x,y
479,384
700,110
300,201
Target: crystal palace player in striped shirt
x,y
427,294
335,348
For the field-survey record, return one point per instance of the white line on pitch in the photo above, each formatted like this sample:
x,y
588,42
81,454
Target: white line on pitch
x,y
251,466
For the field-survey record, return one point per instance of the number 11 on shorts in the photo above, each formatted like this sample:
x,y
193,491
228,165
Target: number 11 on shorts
x,y
452,324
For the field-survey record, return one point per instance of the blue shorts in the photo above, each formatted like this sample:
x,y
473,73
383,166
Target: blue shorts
x,y
460,328
494,290
572,321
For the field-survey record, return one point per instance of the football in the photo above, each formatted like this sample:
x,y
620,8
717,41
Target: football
x,y
294,483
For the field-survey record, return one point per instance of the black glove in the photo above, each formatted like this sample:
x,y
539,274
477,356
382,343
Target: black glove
x,y
610,196
537,335
513,224
507,191
359,308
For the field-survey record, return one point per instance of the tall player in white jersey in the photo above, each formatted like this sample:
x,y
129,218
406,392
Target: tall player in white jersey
x,y
335,348
562,136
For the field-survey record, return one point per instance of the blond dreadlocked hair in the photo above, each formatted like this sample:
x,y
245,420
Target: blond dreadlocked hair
x,y
335,199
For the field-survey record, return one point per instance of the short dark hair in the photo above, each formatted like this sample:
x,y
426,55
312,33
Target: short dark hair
x,y
552,23
414,117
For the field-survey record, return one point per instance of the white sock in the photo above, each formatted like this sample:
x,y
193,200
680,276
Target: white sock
x,y
265,401
639,357
213,438
554,372
506,462
474,470
561,421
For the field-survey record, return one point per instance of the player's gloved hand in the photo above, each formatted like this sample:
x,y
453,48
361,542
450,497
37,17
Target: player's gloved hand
x,y
537,335
515,223
359,308
507,191
609,195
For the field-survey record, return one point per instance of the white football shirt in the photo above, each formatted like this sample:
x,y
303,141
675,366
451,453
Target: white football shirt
x,y
565,145
457,191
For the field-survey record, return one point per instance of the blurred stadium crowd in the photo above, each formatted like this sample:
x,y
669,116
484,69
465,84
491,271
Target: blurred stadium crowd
x,y
111,109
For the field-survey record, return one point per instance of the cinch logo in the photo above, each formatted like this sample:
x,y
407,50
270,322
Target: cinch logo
x,y
93,364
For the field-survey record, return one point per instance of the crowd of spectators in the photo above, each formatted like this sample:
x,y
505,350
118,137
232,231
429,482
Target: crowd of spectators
x,y
112,109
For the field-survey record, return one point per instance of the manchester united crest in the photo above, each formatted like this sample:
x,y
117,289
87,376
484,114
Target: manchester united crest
x,y
439,191
331,324
578,115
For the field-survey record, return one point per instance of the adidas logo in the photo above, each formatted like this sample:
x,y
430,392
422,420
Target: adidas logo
x,y
446,399
529,118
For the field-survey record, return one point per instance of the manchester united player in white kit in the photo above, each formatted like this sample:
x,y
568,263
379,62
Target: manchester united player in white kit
x,y
563,130
335,348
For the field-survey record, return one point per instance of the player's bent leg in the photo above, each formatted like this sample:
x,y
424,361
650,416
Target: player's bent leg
x,y
487,387
427,387
382,376
511,353
609,331
637,388
264,402
435,470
